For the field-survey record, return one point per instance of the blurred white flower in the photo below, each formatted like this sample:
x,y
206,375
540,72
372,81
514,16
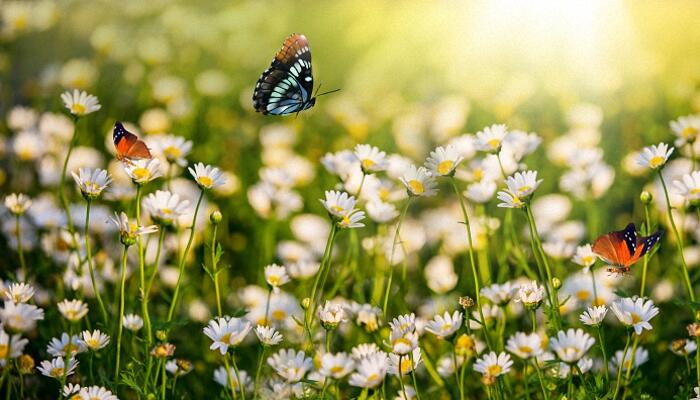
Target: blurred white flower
x,y
640,356
207,177
481,192
594,316
276,275
95,340
165,207
290,364
173,148
371,158
18,203
654,156
56,368
635,313
444,160
73,310
444,326
80,103
132,322
268,335
91,183
525,345
490,139
689,187
686,129
370,371
336,366
381,212
571,345
418,181
143,170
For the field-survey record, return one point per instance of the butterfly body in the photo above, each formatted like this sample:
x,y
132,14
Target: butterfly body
x,y
286,87
623,248
128,146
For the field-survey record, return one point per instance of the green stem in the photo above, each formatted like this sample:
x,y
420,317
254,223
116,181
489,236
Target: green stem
x,y
151,279
215,271
545,395
261,360
91,268
645,261
413,376
62,184
311,310
537,248
20,250
121,313
621,363
241,384
397,235
181,267
230,379
164,379
602,350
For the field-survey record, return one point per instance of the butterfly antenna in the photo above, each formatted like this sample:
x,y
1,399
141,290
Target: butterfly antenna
x,y
317,89
328,92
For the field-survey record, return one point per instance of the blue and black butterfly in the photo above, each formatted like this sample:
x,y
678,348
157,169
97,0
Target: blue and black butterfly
x,y
286,87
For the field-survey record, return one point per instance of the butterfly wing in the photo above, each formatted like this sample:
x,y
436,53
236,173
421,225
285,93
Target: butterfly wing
x,y
286,86
127,144
606,248
618,247
646,243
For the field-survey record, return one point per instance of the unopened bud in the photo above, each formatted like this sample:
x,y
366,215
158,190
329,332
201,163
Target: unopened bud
x,y
215,217
161,335
646,197
466,302
694,329
26,364
556,283
305,303
488,380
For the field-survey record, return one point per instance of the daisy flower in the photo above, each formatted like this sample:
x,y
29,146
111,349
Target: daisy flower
x,y
371,158
509,200
525,345
178,367
364,350
404,364
683,347
73,310
173,148
654,156
370,371
594,316
132,322
276,276
91,182
696,390
129,231
418,181
338,204
444,326
165,207
571,345
381,212
17,346
20,317
268,335
96,393
491,313
403,342
584,257
481,192
17,203
66,346
523,184
163,350
143,170
56,368
493,365
352,220
686,129
689,187
331,315
336,366
444,160
19,292
226,331
490,139
79,103
207,177
70,389
530,294
499,294
404,323
635,313
641,355
290,365
95,340
226,379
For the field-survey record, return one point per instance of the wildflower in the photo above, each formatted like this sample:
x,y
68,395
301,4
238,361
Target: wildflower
x,y
95,340
364,350
276,276
371,158
132,322
331,315
693,329
56,368
493,365
226,379
523,184
96,393
404,323
490,139
594,316
571,345
73,310
689,187
338,204
641,355
563,370
686,129
19,292
404,364
696,390
207,177
467,345
17,203
466,302
144,170
525,345
584,257
683,347
129,231
163,350
173,148
336,366
70,389
6,352
491,314
530,294
290,365
66,346
635,313
654,156
481,192
179,367
268,335
370,371
226,331
352,220
91,182
403,341
499,294
79,103
444,160
509,200
444,326
368,317
165,207
20,317
381,212
418,181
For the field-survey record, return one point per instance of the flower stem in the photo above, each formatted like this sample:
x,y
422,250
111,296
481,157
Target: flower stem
x,y
103,310
257,373
621,363
181,267
396,239
602,349
310,311
121,313
20,250
645,261
539,376
215,271
241,384
62,184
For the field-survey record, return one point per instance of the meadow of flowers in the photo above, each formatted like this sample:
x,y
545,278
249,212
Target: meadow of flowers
x,y
376,248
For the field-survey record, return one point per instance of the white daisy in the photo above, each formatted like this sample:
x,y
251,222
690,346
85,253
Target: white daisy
x,y
132,322
584,256
95,340
444,326
404,364
226,379
370,371
91,183
509,200
641,355
178,367
165,207
371,158
525,345
444,160
290,365
19,292
207,177
490,139
73,310
226,331
594,316
129,231
80,103
338,204
20,317
11,348
491,313
268,335
65,345
381,212
143,170
689,187
96,393
276,276
418,181
352,220
635,313
499,294
56,368
493,365
654,156
331,315
336,366
18,203
686,129
481,192
523,184
173,148
571,345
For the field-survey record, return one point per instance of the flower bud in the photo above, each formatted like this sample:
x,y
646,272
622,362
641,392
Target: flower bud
x,y
26,364
161,335
646,197
215,217
694,329
466,302
305,303
556,283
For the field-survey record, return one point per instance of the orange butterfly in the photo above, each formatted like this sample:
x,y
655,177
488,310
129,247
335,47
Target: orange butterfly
x,y
623,248
128,145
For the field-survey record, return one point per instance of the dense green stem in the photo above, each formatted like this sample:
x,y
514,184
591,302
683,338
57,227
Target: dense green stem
x,y
397,236
91,268
621,364
120,323
20,250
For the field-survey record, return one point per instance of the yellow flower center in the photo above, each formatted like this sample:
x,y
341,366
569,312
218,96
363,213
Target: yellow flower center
x,y
172,152
416,186
635,318
205,181
445,167
337,369
695,191
494,143
92,343
367,163
493,370
372,378
279,315
524,189
166,211
406,365
338,209
70,348
583,294
274,280
656,161
446,327
140,173
402,341
56,372
587,259
689,132
346,221
384,194
525,349
25,154
3,351
77,108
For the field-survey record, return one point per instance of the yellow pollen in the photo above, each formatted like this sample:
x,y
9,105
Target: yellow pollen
x,y
583,294
403,341
494,143
587,259
141,173
445,167
525,349
689,132
493,370
172,152
656,161
205,181
92,343
3,351
337,369
273,280
372,378
695,191
416,186
524,188
226,338
636,318
77,108
446,327
337,209
56,371
406,366
279,315
367,163
166,211
384,194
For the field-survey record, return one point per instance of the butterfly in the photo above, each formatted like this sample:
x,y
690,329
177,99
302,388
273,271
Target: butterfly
x,y
623,248
129,147
286,87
